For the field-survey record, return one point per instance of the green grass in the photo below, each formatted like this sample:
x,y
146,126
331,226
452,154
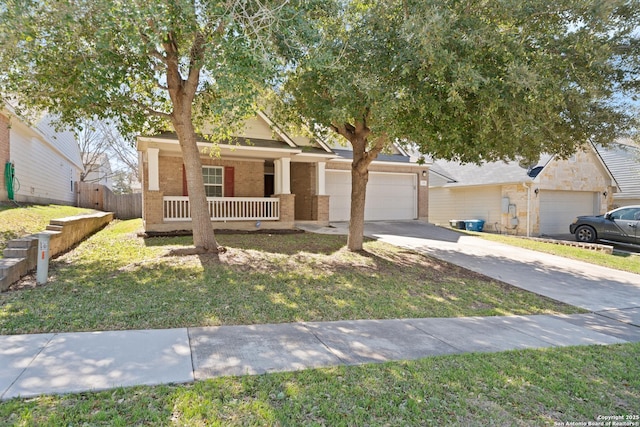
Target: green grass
x,y
619,261
515,388
116,280
16,222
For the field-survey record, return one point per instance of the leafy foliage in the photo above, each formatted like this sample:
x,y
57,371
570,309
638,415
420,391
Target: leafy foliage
x,y
471,80
82,58
147,65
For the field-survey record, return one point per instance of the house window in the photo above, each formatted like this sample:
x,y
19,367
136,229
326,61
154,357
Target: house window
x,y
213,184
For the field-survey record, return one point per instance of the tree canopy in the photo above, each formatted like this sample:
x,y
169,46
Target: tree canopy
x,y
110,59
466,80
150,65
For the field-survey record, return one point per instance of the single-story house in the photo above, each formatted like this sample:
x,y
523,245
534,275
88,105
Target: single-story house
x,y
530,200
623,160
45,162
268,179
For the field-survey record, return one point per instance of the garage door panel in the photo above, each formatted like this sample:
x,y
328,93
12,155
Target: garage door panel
x,y
389,196
559,208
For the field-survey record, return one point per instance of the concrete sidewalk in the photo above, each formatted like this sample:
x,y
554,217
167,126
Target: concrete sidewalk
x,y
84,361
74,362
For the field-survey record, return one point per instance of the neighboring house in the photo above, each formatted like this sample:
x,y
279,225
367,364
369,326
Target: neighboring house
x,y
268,179
97,169
45,162
542,199
623,160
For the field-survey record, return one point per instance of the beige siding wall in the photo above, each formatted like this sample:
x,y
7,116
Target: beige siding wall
x,y
44,173
465,203
4,153
624,202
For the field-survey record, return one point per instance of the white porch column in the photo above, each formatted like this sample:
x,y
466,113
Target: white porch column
x,y
282,172
154,175
320,179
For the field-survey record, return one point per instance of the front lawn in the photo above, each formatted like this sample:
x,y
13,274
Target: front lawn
x,y
116,280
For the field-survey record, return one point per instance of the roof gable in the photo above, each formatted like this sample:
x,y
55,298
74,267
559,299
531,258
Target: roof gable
x,y
489,173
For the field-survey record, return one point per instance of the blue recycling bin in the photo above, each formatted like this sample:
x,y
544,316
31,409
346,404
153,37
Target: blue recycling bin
x,y
474,224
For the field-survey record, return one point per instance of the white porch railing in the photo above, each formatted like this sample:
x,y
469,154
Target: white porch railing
x,y
176,208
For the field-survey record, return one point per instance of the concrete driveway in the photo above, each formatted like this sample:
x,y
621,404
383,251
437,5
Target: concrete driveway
x,y
581,284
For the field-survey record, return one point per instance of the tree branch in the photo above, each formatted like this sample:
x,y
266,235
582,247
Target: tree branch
x,y
174,79
155,53
196,57
151,111
378,145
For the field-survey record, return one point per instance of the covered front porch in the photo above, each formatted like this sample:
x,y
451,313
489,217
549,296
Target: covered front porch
x,y
257,184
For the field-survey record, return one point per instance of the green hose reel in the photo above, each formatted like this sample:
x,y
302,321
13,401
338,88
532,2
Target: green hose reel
x,y
10,179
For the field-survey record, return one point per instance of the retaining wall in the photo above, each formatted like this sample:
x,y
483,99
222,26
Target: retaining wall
x,y
20,255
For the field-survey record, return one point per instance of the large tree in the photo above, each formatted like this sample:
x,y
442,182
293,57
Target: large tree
x,y
467,80
152,65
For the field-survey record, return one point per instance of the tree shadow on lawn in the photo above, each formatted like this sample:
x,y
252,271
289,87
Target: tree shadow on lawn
x,y
251,286
277,243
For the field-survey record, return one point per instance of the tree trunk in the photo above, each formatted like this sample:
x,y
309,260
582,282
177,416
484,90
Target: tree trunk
x,y
357,135
359,179
203,236
182,93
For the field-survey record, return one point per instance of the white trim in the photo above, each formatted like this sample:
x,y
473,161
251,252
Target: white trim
x,y
154,175
277,129
383,162
321,179
221,185
177,208
282,175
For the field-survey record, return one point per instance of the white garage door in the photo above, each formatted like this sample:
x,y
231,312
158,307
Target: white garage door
x,y
559,208
390,196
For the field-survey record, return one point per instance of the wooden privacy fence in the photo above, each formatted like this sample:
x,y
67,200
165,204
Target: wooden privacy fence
x,y
99,197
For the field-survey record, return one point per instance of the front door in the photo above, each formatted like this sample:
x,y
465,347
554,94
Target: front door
x,y
269,185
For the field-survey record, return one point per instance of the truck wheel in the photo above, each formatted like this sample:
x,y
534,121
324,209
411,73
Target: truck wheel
x,y
586,234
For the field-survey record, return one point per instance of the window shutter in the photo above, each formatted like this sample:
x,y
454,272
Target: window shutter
x,y
228,181
185,191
